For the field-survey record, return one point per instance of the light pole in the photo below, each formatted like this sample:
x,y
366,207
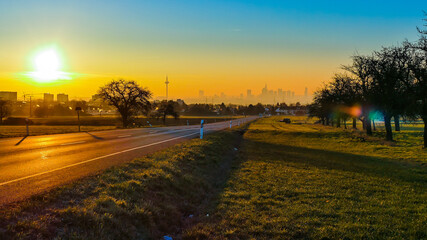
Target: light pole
x,y
78,109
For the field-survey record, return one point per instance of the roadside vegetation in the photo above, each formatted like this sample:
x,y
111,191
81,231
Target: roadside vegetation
x,y
20,131
266,180
150,197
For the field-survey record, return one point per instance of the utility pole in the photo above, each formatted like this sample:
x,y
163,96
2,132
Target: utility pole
x,y
167,83
31,112
78,109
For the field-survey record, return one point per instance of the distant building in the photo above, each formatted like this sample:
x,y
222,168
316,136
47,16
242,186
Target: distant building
x,y
48,98
62,98
9,96
249,93
264,90
306,92
201,93
223,95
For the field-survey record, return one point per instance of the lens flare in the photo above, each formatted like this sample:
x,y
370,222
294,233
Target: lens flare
x,y
47,65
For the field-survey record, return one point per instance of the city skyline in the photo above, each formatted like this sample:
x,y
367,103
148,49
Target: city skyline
x,y
265,96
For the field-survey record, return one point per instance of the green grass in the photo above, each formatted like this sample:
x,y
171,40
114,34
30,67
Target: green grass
x,y
20,131
309,181
148,198
285,181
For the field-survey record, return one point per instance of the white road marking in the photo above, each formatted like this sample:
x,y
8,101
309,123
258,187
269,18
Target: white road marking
x,y
97,158
122,136
72,143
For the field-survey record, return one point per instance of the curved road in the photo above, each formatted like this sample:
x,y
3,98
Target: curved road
x,y
38,163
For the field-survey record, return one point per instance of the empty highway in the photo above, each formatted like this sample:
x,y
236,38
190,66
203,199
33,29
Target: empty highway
x,y
38,163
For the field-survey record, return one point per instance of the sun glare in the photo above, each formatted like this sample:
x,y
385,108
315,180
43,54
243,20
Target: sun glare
x,y
47,66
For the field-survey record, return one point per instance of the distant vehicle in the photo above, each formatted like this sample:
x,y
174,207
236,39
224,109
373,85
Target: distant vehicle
x,y
286,120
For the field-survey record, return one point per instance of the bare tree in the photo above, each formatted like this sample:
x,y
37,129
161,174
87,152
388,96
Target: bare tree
x,y
166,108
4,110
361,72
127,96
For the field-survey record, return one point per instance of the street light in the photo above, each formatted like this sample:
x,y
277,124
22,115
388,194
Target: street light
x,y
78,109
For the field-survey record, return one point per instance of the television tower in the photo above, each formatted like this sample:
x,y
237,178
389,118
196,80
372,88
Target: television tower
x,y
167,83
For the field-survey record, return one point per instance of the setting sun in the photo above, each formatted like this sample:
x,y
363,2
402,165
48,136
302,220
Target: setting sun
x,y
47,66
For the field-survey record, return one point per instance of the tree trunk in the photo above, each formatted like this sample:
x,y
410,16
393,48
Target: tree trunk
x,y
125,120
388,129
396,123
327,121
373,124
368,126
354,123
338,122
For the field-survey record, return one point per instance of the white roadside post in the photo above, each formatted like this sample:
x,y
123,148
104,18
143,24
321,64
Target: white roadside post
x,y
231,122
149,123
188,123
201,129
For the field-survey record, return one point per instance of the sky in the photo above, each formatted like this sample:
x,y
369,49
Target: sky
x,y
217,46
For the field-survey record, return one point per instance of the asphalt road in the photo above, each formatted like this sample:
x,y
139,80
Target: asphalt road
x,y
38,163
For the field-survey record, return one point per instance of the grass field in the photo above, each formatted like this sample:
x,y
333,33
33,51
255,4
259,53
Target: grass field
x,y
309,181
20,131
276,181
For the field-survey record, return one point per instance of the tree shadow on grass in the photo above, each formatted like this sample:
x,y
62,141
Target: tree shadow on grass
x,y
333,160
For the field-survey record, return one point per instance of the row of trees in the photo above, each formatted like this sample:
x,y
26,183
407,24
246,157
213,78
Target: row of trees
x,y
392,81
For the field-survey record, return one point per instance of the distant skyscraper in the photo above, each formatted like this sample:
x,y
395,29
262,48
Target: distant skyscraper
x,y
288,93
249,93
264,90
62,98
201,93
9,96
223,95
293,94
306,92
48,98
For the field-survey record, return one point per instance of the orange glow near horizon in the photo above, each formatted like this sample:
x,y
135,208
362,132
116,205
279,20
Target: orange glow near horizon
x,y
228,47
